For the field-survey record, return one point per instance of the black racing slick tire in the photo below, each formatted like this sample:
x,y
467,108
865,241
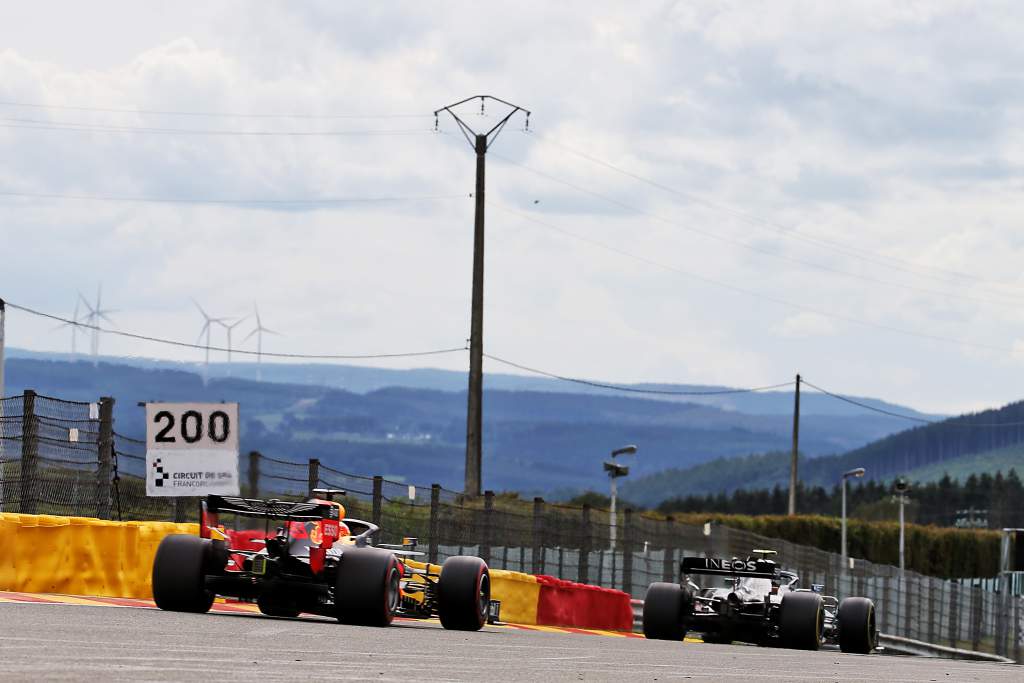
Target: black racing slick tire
x,y
667,609
464,593
856,618
367,587
801,620
179,574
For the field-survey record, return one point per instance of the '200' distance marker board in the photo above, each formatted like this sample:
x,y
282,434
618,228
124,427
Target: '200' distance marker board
x,y
191,449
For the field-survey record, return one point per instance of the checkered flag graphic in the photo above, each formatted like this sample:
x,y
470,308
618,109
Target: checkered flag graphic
x,y
159,474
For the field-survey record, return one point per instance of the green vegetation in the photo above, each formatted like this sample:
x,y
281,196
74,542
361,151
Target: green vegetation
x,y
948,553
945,502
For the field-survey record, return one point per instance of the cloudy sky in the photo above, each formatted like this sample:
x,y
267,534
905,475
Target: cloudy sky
x,y
711,192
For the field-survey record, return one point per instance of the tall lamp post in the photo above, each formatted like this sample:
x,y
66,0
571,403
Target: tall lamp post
x,y
856,472
615,471
901,485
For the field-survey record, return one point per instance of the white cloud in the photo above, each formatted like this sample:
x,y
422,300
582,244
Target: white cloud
x,y
803,325
885,134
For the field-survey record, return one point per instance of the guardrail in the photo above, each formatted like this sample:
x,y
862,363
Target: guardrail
x,y
919,648
906,646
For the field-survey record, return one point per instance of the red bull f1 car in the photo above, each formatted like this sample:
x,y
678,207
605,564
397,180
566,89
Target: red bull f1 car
x,y
318,562
760,604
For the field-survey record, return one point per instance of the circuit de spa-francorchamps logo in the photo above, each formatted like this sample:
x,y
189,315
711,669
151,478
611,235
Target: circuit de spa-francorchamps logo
x,y
159,474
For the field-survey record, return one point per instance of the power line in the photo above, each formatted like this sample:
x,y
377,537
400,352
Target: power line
x,y
783,230
633,390
751,247
228,201
869,407
952,421
752,293
247,115
171,342
38,124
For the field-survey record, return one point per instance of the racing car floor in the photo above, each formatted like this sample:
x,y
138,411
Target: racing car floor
x,y
54,638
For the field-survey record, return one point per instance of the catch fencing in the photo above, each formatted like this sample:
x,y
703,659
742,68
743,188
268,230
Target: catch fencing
x,y
64,457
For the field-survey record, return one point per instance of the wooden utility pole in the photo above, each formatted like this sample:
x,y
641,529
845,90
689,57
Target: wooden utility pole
x,y
475,409
475,412
796,448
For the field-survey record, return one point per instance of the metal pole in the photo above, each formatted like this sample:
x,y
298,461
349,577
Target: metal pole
x,y
796,448
846,562
474,413
105,457
3,314
902,563
3,471
611,517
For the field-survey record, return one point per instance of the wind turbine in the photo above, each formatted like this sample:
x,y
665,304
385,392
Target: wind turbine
x,y
259,341
96,314
75,325
230,328
207,323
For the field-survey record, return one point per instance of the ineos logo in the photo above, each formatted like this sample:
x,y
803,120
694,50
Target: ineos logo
x,y
732,565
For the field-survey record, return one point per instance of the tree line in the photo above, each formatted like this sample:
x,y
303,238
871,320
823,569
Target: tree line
x,y
986,501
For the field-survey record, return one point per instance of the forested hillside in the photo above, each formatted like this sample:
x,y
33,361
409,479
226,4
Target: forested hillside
x,y
927,450
534,441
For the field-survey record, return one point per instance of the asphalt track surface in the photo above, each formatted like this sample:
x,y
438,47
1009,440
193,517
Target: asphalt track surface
x,y
79,643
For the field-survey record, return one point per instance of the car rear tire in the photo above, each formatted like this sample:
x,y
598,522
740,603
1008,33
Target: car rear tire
x,y
667,608
464,593
367,587
179,573
801,620
857,634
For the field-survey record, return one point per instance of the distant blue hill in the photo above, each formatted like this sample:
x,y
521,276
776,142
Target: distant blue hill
x,y
361,380
540,435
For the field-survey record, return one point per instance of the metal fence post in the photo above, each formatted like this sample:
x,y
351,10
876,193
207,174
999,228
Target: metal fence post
x,y
931,610
254,474
435,509
1018,630
627,551
908,611
105,456
538,529
954,614
378,499
488,523
178,506
976,608
29,453
313,476
1001,604
668,565
583,575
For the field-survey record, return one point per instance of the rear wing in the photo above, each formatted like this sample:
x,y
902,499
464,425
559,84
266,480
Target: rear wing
x,y
324,514
718,566
270,509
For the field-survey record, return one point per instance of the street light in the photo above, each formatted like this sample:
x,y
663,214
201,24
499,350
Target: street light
x,y
615,471
901,485
856,472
